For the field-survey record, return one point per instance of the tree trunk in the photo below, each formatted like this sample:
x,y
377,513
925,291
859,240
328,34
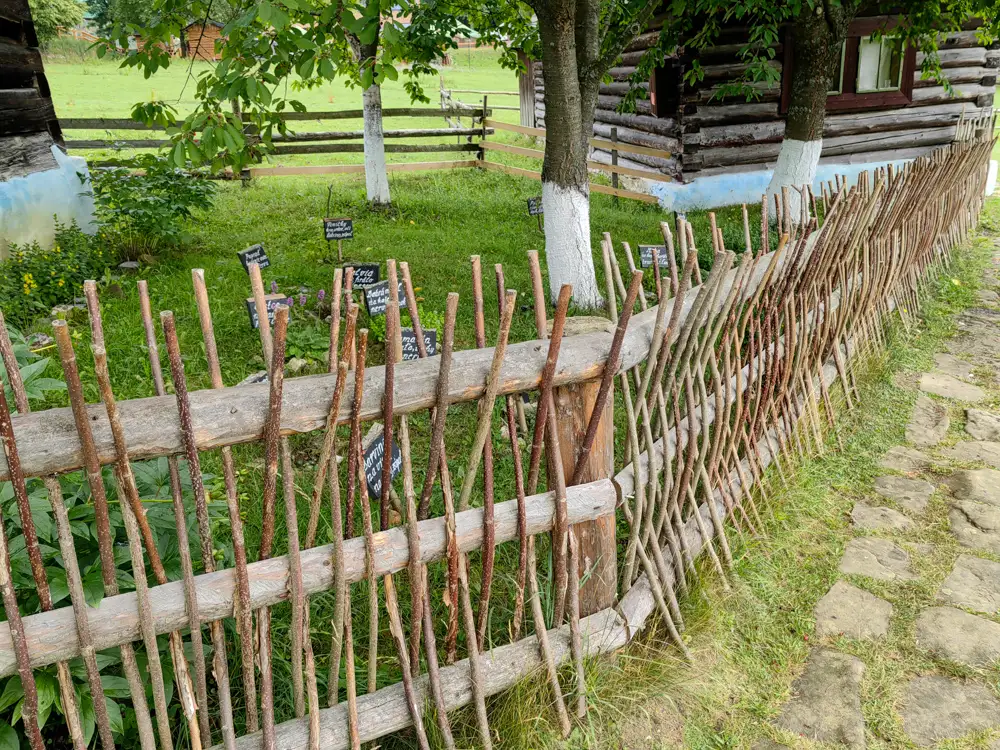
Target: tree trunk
x,y
376,179
816,50
569,116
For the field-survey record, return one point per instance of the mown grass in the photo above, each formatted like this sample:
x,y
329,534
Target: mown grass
x,y
750,644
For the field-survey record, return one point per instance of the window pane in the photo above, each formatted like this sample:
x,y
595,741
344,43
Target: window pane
x,y
880,65
837,75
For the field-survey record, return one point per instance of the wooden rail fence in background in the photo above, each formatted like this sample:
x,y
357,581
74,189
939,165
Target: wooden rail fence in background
x,y
725,383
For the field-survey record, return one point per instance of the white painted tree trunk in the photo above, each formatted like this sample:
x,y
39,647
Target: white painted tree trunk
x,y
567,244
376,179
796,167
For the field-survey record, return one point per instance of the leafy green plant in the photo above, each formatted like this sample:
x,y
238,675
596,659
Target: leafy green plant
x,y
153,482
32,368
308,342
142,205
34,279
428,319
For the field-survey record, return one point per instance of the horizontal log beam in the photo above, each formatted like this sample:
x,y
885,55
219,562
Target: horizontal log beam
x,y
52,636
48,442
314,169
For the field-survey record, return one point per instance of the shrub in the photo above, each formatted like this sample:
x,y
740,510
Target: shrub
x,y
34,279
142,204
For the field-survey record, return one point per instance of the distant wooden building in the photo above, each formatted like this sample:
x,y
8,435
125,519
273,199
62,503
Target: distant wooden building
x,y
37,179
879,109
198,40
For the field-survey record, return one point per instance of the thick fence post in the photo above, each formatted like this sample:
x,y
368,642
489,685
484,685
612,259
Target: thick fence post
x,y
596,539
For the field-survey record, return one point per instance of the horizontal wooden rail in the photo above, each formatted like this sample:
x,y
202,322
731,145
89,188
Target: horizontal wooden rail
x,y
625,148
48,441
534,153
124,123
487,93
304,137
390,148
415,166
605,189
52,636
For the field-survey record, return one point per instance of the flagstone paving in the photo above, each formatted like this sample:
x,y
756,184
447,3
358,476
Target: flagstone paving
x,y
944,480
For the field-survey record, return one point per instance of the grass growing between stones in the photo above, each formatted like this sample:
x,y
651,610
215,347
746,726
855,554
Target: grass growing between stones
x,y
751,643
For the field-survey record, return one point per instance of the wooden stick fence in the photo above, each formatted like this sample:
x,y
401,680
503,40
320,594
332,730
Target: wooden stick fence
x,y
726,382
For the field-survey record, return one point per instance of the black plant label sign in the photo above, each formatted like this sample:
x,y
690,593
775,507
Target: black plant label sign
x,y
410,350
535,206
272,301
365,274
254,254
377,297
338,229
646,255
374,456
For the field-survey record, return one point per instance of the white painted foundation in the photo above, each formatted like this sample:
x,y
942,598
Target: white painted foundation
x,y
567,244
376,179
796,167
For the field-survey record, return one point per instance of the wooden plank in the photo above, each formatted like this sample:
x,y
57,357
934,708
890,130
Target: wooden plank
x,y
721,114
536,154
52,636
522,129
594,188
955,76
357,114
487,93
957,58
532,153
15,10
386,710
21,155
116,143
631,171
416,166
390,148
632,137
18,61
104,123
26,112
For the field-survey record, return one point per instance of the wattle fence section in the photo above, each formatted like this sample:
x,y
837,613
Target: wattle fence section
x,y
723,382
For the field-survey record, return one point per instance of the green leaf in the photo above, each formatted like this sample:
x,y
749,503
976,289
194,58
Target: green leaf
x,y
114,686
12,693
114,716
390,72
8,737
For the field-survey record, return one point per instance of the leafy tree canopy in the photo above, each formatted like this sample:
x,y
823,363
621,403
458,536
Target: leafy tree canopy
x,y
270,49
49,15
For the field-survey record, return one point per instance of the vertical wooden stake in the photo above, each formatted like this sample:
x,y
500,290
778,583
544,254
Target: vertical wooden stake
x,y
595,539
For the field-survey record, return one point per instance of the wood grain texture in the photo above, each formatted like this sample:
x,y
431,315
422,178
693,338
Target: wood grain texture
x,y
52,636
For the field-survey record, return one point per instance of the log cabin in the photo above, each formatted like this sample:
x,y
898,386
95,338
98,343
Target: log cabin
x,y
37,178
198,40
722,150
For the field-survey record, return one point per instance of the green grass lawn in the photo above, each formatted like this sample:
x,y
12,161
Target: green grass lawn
x,y
90,87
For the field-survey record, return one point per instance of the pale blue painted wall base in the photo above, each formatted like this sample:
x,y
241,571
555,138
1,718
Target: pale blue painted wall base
x,y
27,204
735,188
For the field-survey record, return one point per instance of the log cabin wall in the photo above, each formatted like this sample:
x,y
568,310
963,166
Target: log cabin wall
x,y
732,135
709,136
28,123
199,41
643,128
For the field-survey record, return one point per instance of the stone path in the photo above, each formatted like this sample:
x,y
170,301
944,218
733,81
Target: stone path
x,y
944,481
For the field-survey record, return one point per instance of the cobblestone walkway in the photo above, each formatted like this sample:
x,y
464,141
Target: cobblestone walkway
x,y
946,477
